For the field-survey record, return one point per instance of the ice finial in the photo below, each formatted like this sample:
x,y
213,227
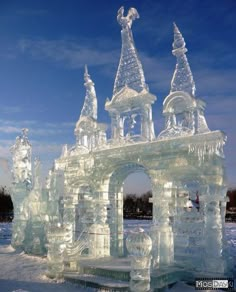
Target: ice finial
x,y
90,103
25,132
182,79
126,21
86,75
130,71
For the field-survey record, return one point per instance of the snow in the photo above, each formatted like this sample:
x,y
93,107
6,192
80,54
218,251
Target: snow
x,y
23,273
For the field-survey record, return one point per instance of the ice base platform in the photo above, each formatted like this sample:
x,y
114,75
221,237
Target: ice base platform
x,y
107,273
113,274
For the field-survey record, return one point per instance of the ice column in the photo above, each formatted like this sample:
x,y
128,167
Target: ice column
x,y
161,232
36,207
22,183
56,247
55,189
213,258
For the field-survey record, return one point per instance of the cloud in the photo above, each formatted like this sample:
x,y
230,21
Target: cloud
x,y
36,128
9,129
211,81
158,71
46,148
70,53
8,54
15,109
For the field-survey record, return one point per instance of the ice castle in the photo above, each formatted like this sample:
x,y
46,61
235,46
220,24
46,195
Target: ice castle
x,y
77,218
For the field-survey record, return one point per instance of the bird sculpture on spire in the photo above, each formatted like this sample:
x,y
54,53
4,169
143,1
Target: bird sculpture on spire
x,y
126,21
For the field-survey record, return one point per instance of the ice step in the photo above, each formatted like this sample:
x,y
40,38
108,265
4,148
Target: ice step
x,y
95,281
114,268
107,273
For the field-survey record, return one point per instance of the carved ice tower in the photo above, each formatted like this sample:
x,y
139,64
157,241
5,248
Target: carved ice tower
x,y
130,107
184,113
89,133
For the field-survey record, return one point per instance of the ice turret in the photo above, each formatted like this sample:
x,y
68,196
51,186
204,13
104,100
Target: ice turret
x,y
130,106
184,113
182,79
89,133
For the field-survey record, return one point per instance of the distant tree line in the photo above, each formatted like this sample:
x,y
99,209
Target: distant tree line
x,y
135,207
138,207
231,206
6,205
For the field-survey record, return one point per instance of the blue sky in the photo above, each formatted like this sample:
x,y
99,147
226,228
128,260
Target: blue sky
x,y
45,44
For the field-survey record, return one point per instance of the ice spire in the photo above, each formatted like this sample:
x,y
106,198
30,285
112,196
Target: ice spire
x,y
130,71
182,79
90,103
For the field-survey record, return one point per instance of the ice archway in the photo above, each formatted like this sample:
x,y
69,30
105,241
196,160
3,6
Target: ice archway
x,y
185,157
114,185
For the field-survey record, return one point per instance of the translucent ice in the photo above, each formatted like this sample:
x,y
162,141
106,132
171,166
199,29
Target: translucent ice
x,y
78,216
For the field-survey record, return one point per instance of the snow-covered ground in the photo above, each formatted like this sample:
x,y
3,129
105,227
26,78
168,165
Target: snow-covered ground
x,y
22,273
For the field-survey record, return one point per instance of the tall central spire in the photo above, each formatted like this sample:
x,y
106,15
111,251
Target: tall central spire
x,y
130,71
182,79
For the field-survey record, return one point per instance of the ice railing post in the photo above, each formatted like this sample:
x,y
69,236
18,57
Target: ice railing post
x,y
139,246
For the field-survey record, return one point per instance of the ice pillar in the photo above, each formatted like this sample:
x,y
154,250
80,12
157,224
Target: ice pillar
x,y
162,234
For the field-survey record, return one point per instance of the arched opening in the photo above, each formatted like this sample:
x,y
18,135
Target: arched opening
x,y
126,176
137,194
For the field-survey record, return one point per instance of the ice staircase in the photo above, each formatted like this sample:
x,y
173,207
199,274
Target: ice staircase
x,y
109,274
113,274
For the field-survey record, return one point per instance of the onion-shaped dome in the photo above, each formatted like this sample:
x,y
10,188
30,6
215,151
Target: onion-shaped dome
x,y
139,243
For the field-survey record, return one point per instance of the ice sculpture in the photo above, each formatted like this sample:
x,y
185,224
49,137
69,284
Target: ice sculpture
x,y
82,204
182,78
134,77
130,106
30,207
21,156
22,184
89,133
183,112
